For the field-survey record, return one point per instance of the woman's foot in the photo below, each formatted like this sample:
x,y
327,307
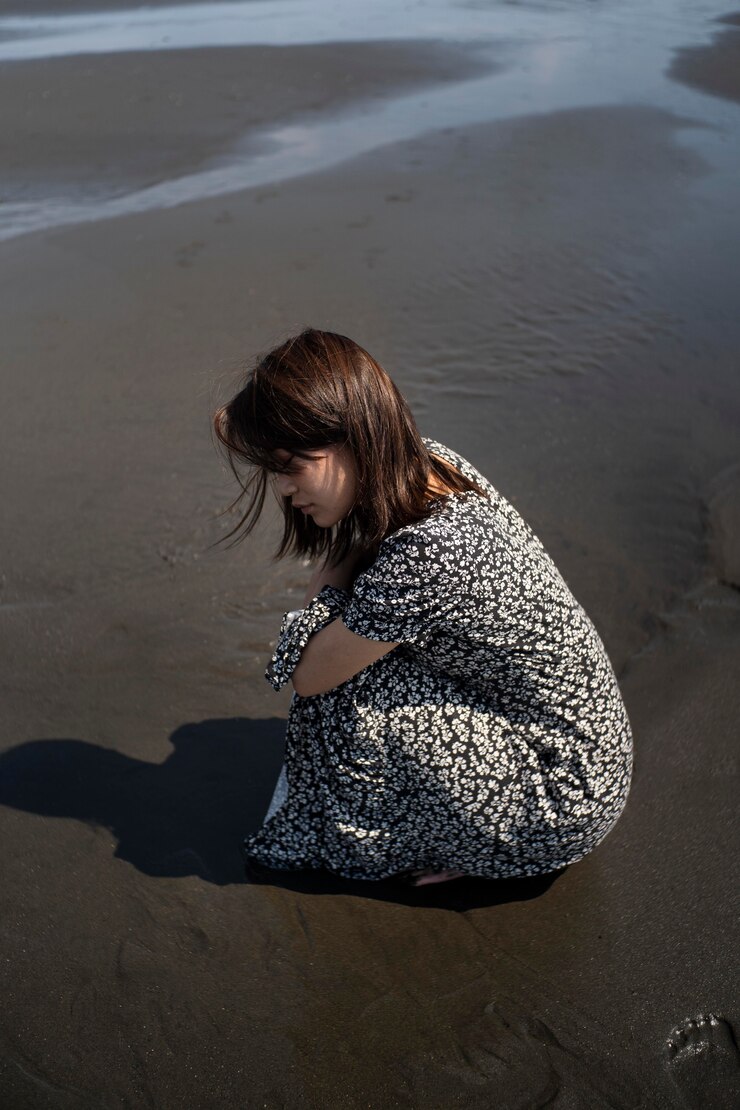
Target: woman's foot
x,y
425,878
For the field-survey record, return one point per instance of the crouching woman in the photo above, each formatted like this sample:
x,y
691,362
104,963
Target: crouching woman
x,y
455,711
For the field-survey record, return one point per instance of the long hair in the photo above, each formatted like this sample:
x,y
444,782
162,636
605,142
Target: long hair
x,y
315,390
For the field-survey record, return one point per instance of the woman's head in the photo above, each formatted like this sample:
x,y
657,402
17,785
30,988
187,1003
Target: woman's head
x,y
322,416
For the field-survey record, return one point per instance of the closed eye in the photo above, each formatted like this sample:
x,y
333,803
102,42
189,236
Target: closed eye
x,y
294,464
285,464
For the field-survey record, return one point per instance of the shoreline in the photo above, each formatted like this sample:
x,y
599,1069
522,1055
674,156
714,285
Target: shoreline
x,y
714,68
138,119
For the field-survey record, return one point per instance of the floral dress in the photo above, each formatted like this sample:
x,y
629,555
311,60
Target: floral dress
x,y
492,740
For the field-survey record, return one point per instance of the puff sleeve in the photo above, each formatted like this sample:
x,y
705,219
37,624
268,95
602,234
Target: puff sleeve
x,y
400,598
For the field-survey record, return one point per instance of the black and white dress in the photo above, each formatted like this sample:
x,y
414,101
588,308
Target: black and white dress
x,y
493,740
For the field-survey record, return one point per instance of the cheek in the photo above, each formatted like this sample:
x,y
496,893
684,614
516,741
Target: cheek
x,y
349,490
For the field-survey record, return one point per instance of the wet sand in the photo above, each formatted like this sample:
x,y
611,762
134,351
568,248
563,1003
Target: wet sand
x,y
715,68
555,297
116,121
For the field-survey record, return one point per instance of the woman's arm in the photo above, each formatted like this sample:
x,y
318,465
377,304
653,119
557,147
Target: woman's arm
x,y
334,654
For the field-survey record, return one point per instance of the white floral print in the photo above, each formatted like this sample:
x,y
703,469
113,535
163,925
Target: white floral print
x,y
493,740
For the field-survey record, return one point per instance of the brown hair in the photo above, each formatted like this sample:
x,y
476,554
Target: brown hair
x,y
315,390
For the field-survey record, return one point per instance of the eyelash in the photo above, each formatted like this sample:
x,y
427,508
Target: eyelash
x,y
291,471
296,467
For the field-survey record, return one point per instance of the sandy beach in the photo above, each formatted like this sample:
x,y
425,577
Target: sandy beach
x,y
556,294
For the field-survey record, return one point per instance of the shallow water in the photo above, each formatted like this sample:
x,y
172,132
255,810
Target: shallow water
x,y
553,57
292,22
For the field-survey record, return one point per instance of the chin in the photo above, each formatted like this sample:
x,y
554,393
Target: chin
x,y
325,518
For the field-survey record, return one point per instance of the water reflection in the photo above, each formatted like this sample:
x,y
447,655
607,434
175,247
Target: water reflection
x,y
266,22
272,22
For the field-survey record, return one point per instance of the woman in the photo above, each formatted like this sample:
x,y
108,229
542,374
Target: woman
x,y
455,712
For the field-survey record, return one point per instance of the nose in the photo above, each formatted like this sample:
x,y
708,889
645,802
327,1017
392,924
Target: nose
x,y
285,485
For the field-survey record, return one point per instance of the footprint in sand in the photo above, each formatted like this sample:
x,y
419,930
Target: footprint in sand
x,y
704,1063
190,251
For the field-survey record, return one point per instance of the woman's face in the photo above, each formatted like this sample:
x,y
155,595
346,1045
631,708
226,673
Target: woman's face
x,y
323,486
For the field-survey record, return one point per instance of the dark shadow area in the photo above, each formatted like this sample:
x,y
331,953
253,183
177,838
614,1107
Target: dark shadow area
x,y
189,814
459,895
713,69
185,816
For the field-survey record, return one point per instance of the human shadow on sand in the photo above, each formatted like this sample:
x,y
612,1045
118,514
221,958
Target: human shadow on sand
x,y
189,814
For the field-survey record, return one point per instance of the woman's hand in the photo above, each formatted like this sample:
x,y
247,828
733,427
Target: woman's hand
x,y
341,575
